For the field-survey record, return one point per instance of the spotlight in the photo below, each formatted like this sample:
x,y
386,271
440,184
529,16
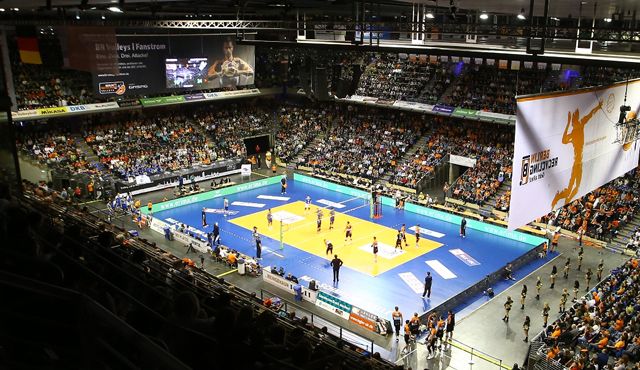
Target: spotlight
x,y
555,18
1,9
115,9
77,16
608,20
430,15
484,16
521,15
103,17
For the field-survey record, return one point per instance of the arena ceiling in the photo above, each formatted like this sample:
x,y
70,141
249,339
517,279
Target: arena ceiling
x,y
557,8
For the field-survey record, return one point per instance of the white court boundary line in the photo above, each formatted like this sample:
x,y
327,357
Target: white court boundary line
x,y
504,291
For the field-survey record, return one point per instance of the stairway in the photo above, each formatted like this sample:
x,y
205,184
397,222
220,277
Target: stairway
x,y
489,205
88,153
620,242
307,149
421,143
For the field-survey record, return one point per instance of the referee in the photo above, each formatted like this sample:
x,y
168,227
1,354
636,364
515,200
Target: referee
x,y
256,237
336,263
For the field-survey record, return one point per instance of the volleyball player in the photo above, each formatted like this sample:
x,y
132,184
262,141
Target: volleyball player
x,y
332,218
307,203
319,221
347,233
329,246
269,218
398,240
283,185
417,235
403,230
226,206
374,245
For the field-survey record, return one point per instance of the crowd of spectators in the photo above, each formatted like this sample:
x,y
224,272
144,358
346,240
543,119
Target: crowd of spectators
x,y
489,88
298,126
602,330
603,212
153,145
395,77
491,147
54,148
364,143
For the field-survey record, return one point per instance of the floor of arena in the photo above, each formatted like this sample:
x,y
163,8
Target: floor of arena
x,y
396,279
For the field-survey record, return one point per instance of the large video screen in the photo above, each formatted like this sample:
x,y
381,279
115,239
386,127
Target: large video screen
x,y
186,72
148,64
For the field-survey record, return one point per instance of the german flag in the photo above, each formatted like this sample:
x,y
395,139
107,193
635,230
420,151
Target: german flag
x,y
28,45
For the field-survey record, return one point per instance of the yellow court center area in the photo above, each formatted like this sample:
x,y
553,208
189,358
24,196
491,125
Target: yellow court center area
x,y
300,232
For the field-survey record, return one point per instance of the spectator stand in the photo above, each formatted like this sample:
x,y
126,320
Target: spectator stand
x,y
602,321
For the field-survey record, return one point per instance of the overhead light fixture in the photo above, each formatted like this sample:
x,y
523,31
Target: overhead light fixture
x,y
521,15
430,15
16,9
115,9
555,18
608,20
77,16
484,16
1,9
103,17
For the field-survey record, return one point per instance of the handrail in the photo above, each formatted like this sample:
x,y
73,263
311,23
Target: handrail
x,y
342,333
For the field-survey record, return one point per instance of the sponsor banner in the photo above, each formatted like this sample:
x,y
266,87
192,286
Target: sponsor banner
x,y
64,110
359,98
102,106
464,257
443,109
158,225
272,197
427,232
386,201
199,245
331,186
567,145
462,161
163,206
441,269
363,318
277,280
475,225
211,96
330,203
162,100
129,103
384,250
420,107
245,170
334,305
248,204
462,112
52,111
385,102
412,281
287,218
491,116
194,97
24,114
